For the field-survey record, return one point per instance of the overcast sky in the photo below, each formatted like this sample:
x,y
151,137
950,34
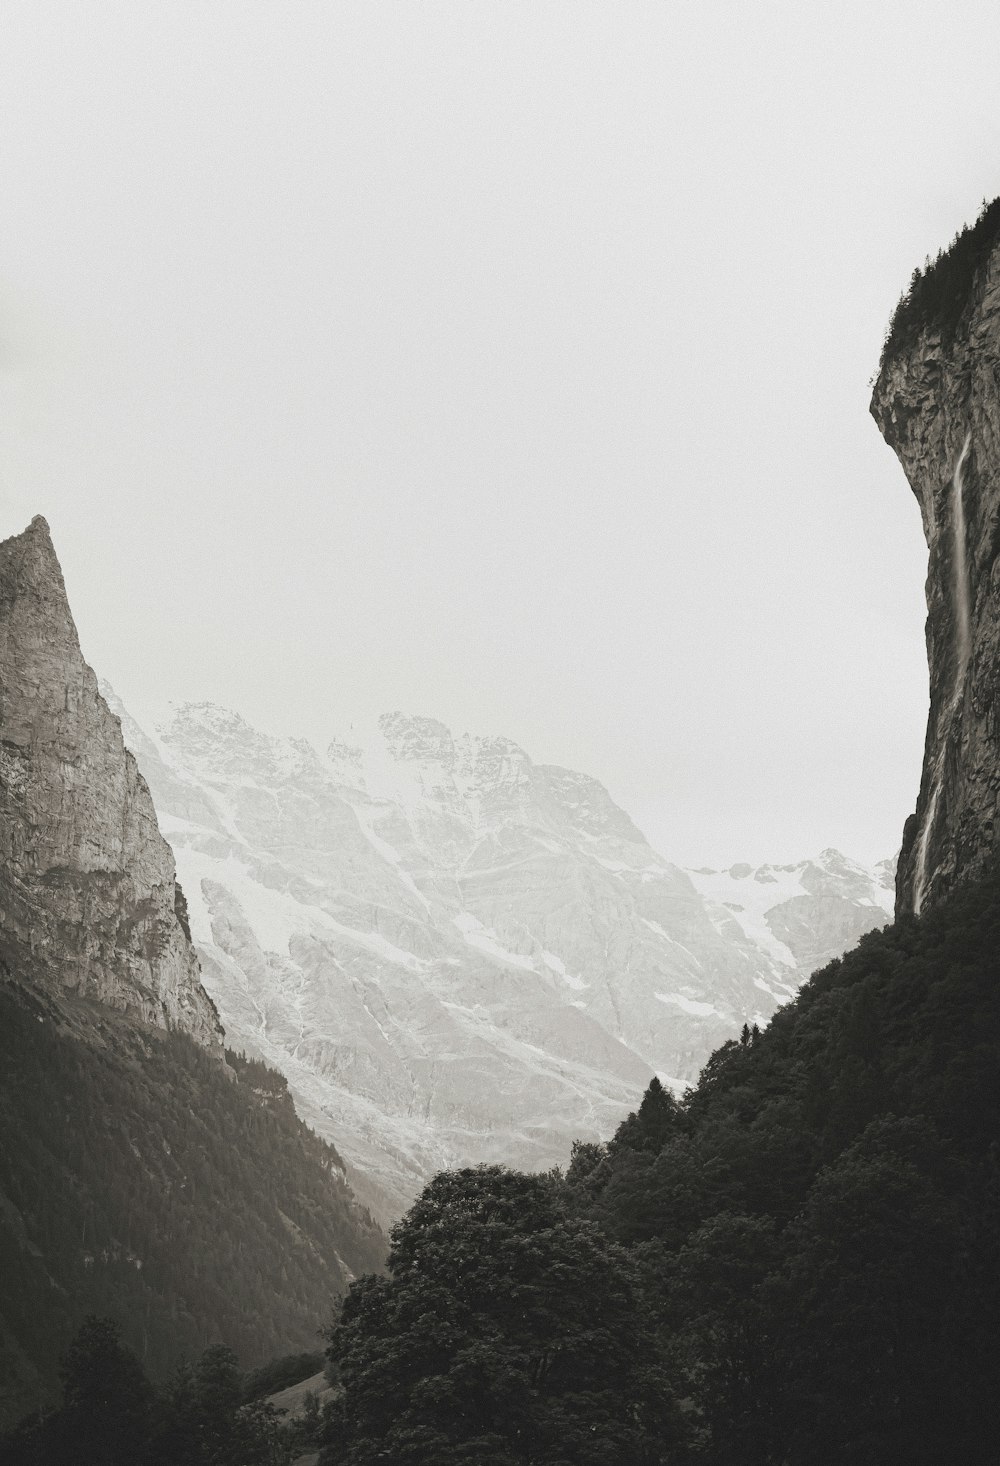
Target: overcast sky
x,y
503,362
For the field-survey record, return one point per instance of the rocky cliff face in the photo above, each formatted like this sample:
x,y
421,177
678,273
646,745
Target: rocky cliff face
x,y
87,892
456,954
937,403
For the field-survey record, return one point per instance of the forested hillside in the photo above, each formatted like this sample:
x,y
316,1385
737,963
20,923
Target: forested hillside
x,y
799,1263
938,293
143,1179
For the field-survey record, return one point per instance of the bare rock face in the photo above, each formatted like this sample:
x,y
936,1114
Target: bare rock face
x,y
937,403
87,891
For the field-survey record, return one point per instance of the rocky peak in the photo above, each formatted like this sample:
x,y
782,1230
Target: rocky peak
x,y
587,807
88,900
221,743
937,403
411,738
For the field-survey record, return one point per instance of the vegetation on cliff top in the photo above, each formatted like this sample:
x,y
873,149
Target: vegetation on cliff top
x,y
509,1329
939,293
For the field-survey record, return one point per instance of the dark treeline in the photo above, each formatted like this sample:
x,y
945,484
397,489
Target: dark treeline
x,y
111,1415
797,1265
939,292
143,1179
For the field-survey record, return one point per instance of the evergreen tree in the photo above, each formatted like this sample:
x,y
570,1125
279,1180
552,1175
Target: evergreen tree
x,y
820,1232
205,1422
107,1399
656,1120
108,1407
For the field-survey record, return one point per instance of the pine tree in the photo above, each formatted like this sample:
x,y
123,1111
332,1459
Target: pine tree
x,y
648,1128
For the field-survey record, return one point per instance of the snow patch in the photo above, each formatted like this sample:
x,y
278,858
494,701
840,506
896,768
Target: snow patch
x,y
556,964
274,917
754,900
365,816
689,1005
485,940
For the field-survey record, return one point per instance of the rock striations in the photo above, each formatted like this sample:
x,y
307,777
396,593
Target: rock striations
x,y
937,403
86,880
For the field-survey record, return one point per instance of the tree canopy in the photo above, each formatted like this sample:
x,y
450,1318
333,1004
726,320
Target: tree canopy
x,y
939,293
507,1330
111,1415
798,1264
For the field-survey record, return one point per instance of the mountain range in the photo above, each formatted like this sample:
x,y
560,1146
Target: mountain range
x,y
455,954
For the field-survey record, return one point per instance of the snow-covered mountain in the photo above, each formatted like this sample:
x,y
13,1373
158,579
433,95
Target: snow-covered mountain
x,y
806,914
456,954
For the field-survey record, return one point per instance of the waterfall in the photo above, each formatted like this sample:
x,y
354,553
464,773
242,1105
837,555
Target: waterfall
x,y
960,568
961,605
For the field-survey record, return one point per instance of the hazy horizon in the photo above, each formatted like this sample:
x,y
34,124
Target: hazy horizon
x,y
504,364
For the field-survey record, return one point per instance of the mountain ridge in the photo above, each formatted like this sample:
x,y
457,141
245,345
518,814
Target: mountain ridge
x,y
393,920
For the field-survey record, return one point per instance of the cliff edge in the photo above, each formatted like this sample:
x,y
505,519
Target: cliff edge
x,y
937,404
88,899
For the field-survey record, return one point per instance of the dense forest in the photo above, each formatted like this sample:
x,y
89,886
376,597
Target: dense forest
x,y
205,1414
938,294
144,1180
796,1265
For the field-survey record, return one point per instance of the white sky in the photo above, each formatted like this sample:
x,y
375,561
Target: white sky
x,y
503,362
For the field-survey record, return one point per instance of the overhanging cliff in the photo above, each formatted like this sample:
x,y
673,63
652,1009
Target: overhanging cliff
x,y
937,403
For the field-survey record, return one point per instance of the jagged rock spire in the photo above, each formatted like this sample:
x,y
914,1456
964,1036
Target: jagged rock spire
x,y
88,900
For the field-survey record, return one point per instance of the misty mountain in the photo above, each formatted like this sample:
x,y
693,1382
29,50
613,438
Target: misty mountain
x,y
456,954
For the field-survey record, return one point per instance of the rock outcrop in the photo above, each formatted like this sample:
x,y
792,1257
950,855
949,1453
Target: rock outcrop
x,y
937,403
88,898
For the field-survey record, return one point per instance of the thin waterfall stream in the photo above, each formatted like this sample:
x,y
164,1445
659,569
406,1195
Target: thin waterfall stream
x,y
963,648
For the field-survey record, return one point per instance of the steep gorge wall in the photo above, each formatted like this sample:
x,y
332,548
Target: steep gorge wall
x,y
87,892
141,1176
937,403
